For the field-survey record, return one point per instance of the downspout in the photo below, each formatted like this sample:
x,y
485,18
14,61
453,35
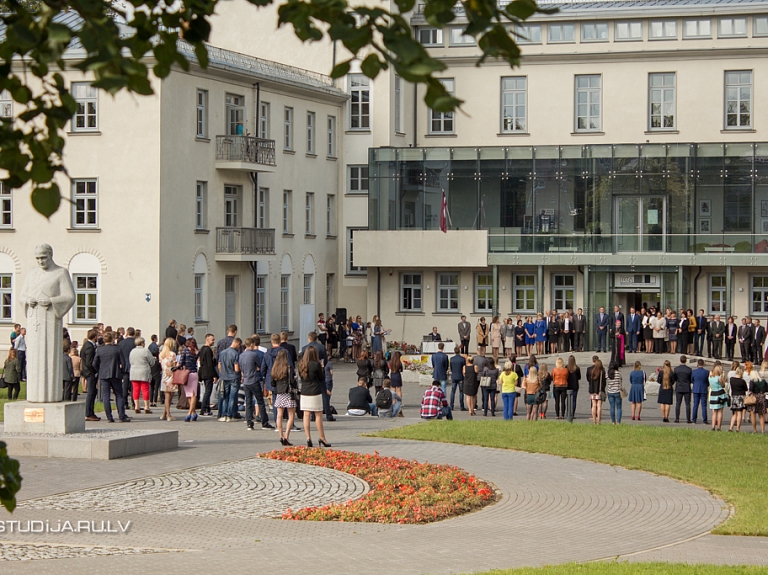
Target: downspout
x,y
378,291
695,290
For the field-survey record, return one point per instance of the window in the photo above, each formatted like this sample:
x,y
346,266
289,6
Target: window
x,y
564,292
442,122
264,120
663,30
230,299
430,36
330,228
398,104
262,209
202,114
87,99
732,27
309,205
697,28
594,32
86,298
738,100
718,295
760,26
199,280
310,132
329,292
626,31
285,301
360,102
6,206
287,212
352,268
6,297
200,201
588,116
513,104
231,205
458,38
6,104
410,292
261,304
759,294
448,292
288,129
331,136
357,177
235,114
662,101
84,198
528,34
308,278
483,293
525,293
562,33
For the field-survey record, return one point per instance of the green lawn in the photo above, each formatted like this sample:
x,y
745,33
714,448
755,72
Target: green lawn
x,y
733,466
604,568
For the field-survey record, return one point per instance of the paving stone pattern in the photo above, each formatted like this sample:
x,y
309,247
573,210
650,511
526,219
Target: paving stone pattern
x,y
33,551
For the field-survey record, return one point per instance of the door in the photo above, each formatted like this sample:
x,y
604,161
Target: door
x,y
230,299
640,224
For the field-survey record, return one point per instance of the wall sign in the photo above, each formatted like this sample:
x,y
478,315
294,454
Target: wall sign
x,y
636,280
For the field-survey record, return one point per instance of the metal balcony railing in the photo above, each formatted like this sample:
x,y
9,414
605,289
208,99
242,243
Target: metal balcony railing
x,y
245,241
245,149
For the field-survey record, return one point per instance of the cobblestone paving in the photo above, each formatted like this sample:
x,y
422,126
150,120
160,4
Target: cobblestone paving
x,y
33,551
254,487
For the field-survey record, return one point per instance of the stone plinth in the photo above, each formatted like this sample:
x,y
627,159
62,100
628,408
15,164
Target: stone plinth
x,y
52,418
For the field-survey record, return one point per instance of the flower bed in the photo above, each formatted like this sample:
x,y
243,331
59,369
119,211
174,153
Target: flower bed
x,y
402,491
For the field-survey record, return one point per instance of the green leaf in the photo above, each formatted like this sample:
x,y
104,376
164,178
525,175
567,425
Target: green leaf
x,y
371,66
46,200
340,70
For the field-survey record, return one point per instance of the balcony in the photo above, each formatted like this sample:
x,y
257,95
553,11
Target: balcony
x,y
245,153
245,244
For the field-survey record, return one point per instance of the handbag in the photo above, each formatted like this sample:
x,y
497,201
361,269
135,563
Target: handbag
x,y
603,395
750,400
485,381
624,393
3,385
180,376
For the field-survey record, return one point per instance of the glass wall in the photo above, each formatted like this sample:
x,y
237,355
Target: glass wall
x,y
678,198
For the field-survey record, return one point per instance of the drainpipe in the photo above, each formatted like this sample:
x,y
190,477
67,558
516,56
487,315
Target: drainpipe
x,y
696,291
378,291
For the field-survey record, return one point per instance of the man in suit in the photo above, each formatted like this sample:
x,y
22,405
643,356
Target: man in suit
x,y
634,325
700,377
710,336
288,346
758,338
125,347
731,333
601,325
701,332
171,330
683,377
617,315
465,332
108,366
717,330
745,340
566,325
435,335
579,330
440,367
87,355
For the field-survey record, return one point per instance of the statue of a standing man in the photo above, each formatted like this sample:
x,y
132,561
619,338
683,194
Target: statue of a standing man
x,y
47,296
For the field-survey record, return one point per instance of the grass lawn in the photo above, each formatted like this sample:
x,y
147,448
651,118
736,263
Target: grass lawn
x,y
704,458
604,568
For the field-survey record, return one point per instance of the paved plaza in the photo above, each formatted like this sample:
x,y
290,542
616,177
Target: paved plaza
x,y
211,502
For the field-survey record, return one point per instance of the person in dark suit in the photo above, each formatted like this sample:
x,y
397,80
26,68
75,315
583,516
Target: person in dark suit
x,y
731,333
109,367
758,338
579,330
289,347
683,379
717,331
745,340
700,377
434,335
634,325
171,330
601,325
702,326
125,347
617,315
87,355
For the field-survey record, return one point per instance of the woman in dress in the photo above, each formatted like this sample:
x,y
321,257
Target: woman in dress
x,y
376,344
470,386
758,388
188,359
12,374
617,355
596,378
682,332
530,335
312,379
691,332
673,331
482,335
396,373
574,376
531,386
489,393
380,370
365,368
659,332
141,360
637,390
613,385
519,339
717,397
281,379
331,337
648,332
540,331
545,381
666,392
738,391
495,338
168,362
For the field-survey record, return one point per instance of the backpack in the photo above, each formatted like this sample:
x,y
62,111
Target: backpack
x,y
541,395
384,399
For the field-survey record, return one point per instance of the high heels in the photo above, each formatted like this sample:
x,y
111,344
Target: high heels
x,y
323,443
309,443
285,442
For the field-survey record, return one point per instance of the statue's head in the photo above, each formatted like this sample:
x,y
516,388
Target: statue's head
x,y
44,256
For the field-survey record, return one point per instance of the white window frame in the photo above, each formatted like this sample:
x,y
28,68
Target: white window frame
x,y
201,197
285,302
523,289
739,100
447,292
668,30
760,22
398,104
235,114
411,291
311,133
443,122
565,287
527,33
513,123
718,294
591,93
726,27
329,292
696,28
331,132
6,298
357,177
232,195
199,300
307,291
659,95
359,105
87,99
81,192
86,291
594,32
288,129
352,269
457,38
330,221
201,105
430,37
261,303
565,32
483,305
6,206
287,212
264,120
763,290
309,214
262,209
630,26
6,104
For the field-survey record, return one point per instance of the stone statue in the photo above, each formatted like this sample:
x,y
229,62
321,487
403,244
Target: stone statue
x,y
47,295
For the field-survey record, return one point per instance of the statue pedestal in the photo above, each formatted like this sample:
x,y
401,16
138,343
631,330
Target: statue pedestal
x,y
49,418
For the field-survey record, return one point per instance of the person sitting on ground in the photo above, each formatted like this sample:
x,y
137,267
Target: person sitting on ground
x,y
434,404
360,401
388,403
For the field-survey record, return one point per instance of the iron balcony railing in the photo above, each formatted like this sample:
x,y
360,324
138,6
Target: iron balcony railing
x,y
245,149
245,241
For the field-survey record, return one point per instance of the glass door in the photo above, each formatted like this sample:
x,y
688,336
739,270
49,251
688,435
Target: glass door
x,y
627,224
640,223
653,214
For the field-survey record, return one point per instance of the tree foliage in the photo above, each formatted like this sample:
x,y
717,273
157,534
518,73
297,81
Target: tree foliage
x,y
10,479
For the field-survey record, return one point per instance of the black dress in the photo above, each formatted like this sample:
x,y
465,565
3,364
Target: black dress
x,y
666,396
470,381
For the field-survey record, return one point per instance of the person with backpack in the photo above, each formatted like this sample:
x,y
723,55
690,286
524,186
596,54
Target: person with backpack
x,y
388,403
380,370
542,395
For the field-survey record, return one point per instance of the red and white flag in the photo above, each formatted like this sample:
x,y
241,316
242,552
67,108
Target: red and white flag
x,y
444,215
